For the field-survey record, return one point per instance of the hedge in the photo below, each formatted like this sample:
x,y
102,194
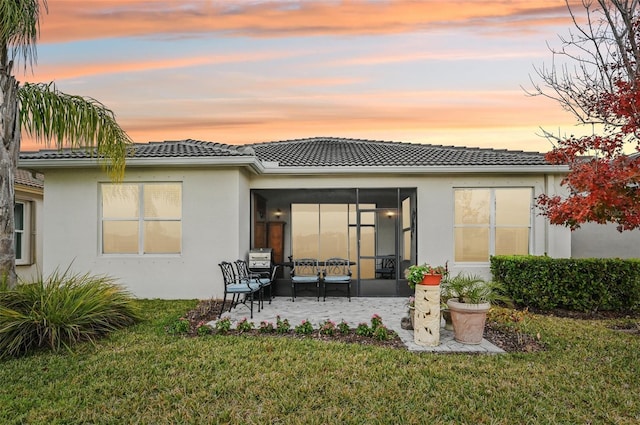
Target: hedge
x,y
578,284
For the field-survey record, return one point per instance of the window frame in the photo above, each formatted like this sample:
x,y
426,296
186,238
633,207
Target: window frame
x,y
492,226
141,220
26,257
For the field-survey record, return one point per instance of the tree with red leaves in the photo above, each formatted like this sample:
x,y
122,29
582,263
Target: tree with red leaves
x,y
601,90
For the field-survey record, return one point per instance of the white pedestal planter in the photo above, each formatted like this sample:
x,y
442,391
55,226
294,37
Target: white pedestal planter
x,y
426,327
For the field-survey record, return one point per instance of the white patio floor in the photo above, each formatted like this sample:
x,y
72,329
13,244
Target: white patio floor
x,y
359,310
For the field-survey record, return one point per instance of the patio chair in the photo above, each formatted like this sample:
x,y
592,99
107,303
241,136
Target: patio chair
x,y
264,280
234,286
337,271
386,267
305,271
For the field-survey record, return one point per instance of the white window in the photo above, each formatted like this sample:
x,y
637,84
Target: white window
x,y
492,221
22,237
141,218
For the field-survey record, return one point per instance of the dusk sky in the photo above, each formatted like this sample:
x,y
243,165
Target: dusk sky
x,y
245,71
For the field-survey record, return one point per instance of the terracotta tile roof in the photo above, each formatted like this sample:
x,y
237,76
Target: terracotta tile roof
x,y
336,152
322,152
26,178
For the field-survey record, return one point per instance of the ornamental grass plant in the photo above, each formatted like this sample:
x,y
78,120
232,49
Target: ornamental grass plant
x,y
60,311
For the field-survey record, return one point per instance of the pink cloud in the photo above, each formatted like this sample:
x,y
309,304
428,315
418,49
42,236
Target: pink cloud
x,y
263,107
502,120
73,70
78,20
249,121
449,55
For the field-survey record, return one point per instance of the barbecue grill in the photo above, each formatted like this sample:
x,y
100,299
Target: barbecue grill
x,y
261,260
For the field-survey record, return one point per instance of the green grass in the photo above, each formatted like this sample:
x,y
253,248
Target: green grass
x,y
589,374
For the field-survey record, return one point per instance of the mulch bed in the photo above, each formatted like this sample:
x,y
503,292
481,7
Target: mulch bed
x,y
627,322
589,315
510,340
506,339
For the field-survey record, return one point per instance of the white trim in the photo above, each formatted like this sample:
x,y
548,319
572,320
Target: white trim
x,y
259,167
141,221
44,164
414,169
26,233
492,220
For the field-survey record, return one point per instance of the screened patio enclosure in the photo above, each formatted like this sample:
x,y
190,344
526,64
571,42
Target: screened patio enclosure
x,y
374,228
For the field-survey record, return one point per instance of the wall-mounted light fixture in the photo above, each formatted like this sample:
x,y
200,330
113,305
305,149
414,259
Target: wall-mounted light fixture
x,y
278,213
390,214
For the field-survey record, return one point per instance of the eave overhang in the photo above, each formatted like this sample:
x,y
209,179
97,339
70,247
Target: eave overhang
x,y
419,169
257,167
21,188
250,162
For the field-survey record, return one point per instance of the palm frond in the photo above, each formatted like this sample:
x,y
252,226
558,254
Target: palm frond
x,y
76,122
19,28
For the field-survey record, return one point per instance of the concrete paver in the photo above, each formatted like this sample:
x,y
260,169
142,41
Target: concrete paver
x,y
359,310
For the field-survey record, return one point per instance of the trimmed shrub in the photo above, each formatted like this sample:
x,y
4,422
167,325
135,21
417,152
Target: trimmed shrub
x,y
60,311
577,284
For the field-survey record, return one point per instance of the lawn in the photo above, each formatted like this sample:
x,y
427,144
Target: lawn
x,y
588,374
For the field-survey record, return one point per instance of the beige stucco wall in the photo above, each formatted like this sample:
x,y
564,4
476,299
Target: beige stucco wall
x,y
244,215
31,271
604,241
217,216
215,226
558,238
435,221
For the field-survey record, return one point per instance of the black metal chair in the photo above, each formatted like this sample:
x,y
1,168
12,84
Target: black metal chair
x,y
264,280
337,271
305,271
272,278
234,286
386,267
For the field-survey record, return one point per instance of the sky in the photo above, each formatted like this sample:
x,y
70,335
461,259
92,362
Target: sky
x,y
247,71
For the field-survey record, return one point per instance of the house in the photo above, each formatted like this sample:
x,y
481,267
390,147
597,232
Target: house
x,y
184,206
604,241
28,222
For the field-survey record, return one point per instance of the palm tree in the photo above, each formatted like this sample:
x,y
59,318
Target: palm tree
x,y
46,114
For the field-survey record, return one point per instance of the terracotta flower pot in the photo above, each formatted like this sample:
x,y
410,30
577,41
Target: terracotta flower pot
x,y
431,279
468,321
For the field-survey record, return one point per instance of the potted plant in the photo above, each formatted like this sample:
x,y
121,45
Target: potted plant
x,y
470,299
445,295
425,275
